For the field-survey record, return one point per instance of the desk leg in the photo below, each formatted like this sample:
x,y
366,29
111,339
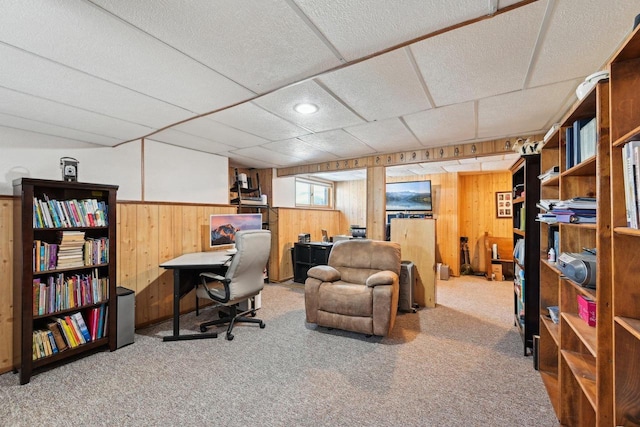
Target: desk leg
x,y
176,315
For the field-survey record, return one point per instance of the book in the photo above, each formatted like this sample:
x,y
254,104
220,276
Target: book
x,y
52,342
588,138
54,327
68,334
569,147
75,330
82,326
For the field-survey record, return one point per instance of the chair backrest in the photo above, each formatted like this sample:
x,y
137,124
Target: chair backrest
x,y
247,266
357,259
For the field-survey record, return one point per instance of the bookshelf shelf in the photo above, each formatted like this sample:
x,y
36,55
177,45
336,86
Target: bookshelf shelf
x,y
585,333
88,292
552,328
626,231
585,168
630,325
584,371
69,353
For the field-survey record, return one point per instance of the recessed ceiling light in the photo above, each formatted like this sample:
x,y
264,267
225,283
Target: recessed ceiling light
x,y
306,108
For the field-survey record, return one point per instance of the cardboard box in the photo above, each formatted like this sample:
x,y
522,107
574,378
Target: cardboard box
x,y
587,310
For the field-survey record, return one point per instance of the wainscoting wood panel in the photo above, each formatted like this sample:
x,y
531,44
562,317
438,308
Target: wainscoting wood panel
x,y
6,283
352,209
478,212
444,188
289,222
149,234
376,202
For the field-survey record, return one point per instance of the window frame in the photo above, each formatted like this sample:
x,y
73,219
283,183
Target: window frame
x,y
328,185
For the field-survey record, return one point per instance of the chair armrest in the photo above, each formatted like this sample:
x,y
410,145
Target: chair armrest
x,y
324,273
212,276
386,277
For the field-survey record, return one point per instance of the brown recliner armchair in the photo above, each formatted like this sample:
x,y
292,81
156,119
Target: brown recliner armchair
x,y
358,290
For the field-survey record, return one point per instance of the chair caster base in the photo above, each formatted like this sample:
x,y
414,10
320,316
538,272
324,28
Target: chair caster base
x,y
262,325
229,337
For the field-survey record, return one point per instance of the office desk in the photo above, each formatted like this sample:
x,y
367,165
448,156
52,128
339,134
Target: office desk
x,y
186,271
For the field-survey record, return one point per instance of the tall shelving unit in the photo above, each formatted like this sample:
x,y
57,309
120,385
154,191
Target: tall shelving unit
x,y
574,358
526,295
248,198
624,88
26,231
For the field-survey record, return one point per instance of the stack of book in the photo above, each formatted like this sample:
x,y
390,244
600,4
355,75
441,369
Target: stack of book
x,y
579,210
549,173
70,249
547,205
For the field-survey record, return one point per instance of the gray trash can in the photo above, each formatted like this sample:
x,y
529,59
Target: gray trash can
x,y
126,316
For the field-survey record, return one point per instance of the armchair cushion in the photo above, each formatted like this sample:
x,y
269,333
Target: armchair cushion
x,y
324,273
382,278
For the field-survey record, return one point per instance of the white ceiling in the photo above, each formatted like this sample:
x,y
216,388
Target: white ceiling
x,y
79,73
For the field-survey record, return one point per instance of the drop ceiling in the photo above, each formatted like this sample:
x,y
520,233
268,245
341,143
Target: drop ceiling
x,y
223,76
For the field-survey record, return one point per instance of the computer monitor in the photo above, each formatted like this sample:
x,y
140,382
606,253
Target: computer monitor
x,y
223,228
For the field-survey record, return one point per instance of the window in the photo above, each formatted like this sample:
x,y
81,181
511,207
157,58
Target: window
x,y
315,194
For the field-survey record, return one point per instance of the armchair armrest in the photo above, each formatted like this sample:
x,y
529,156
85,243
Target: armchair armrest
x,y
386,277
324,273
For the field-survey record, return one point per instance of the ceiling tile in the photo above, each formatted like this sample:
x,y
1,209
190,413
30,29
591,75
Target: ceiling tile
x,y
504,3
89,39
338,142
469,167
42,110
270,156
581,36
48,129
30,74
523,112
301,150
252,119
236,160
351,175
381,87
331,113
181,139
498,165
483,59
22,139
360,27
483,159
443,125
260,44
214,131
385,135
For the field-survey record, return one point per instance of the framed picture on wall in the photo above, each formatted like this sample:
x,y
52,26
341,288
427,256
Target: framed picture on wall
x,y
504,204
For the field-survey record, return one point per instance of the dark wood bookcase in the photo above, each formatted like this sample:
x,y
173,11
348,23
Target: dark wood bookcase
x,y
26,231
526,295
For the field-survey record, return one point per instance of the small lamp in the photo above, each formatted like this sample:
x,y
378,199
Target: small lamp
x,y
69,167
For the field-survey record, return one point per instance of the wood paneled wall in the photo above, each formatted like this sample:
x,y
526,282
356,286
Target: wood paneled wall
x,y
286,224
352,210
376,202
444,188
478,212
6,283
149,234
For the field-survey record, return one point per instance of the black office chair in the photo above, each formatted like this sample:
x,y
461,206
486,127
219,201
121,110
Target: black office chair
x,y
243,280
